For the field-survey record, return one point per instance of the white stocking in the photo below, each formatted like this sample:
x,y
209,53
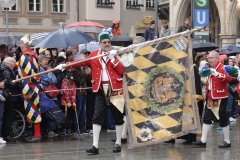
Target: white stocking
x,y
205,130
119,134
96,133
124,130
226,134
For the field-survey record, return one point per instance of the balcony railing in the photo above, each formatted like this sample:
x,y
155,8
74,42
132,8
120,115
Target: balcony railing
x,y
105,4
133,6
149,7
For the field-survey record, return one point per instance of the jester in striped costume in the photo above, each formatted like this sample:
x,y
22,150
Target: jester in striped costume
x,y
28,65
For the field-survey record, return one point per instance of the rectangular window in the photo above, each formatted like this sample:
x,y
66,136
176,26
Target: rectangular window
x,y
105,3
134,4
150,4
35,5
13,8
58,6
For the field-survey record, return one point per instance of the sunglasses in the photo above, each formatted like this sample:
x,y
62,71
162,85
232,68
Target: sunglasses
x,y
105,42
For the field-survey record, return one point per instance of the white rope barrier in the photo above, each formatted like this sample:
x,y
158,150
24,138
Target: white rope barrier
x,y
70,89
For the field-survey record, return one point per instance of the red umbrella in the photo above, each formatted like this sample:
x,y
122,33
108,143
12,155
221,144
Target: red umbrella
x,y
87,26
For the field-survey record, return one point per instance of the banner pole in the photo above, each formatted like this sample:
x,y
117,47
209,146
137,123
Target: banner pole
x,y
55,69
148,43
120,51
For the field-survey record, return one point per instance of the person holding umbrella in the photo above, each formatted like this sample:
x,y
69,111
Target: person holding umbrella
x,y
28,65
107,74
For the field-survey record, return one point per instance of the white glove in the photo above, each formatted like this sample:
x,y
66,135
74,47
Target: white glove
x,y
112,54
127,59
214,72
61,67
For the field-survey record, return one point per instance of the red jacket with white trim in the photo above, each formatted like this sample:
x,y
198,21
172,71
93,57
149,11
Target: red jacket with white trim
x,y
115,71
219,84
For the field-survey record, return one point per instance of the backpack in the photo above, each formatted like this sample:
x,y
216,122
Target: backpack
x,y
56,119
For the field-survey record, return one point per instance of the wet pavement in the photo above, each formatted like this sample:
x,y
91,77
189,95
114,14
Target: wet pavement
x,y
72,148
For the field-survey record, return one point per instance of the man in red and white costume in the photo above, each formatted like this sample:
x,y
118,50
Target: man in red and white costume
x,y
107,81
217,99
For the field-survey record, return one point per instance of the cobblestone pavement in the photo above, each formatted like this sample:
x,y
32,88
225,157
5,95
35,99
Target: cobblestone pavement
x,y
74,149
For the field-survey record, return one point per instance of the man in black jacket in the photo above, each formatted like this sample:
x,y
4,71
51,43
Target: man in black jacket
x,y
185,26
10,88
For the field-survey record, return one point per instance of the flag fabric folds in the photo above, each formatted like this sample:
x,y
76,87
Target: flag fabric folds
x,y
160,92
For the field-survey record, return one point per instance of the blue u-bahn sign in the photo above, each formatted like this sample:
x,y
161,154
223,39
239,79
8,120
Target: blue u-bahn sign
x,y
201,18
200,13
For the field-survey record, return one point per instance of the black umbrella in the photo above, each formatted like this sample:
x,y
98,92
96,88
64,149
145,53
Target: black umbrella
x,y
122,40
230,50
203,46
234,52
64,38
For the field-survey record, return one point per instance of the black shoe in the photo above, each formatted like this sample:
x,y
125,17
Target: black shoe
x,y
69,132
172,141
87,131
116,148
114,139
123,140
52,134
33,140
187,142
92,150
9,138
199,144
224,145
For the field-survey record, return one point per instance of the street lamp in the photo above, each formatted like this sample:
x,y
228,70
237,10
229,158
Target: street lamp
x,y
156,17
7,4
238,8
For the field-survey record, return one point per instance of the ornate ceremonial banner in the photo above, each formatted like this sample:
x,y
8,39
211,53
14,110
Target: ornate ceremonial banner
x,y
160,92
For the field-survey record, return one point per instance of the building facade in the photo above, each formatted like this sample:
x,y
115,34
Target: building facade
x,y
44,15
32,16
223,18
137,13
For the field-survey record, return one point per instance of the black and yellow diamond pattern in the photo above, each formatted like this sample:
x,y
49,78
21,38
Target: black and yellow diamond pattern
x,y
163,126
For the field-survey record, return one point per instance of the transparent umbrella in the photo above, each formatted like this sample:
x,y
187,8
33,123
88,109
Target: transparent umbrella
x,y
10,40
89,46
37,37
